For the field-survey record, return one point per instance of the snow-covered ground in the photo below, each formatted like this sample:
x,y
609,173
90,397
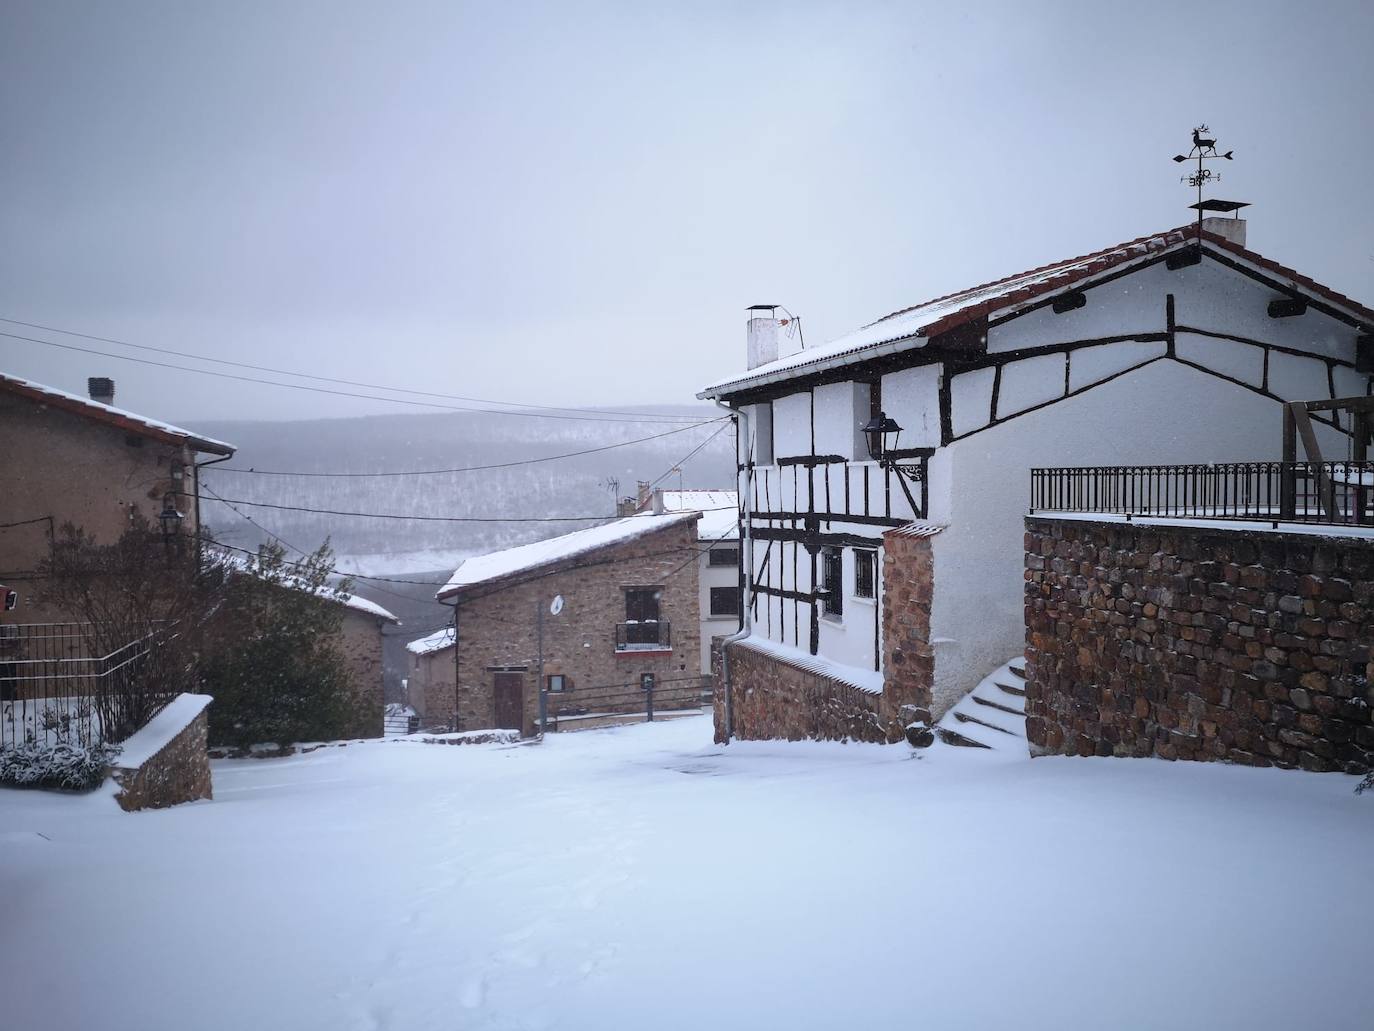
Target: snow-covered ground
x,y
641,878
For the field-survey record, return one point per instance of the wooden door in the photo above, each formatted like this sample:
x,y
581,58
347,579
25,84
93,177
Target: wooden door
x,y
509,694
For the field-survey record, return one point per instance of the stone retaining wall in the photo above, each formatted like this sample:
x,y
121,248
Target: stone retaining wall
x,y
774,699
1187,642
179,772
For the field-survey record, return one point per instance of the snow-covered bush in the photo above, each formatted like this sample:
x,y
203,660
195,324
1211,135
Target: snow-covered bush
x,y
69,766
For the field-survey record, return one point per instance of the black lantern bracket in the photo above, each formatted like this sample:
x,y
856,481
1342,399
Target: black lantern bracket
x,y
884,434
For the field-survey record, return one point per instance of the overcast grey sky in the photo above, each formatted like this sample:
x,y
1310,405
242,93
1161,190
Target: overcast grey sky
x,y
573,203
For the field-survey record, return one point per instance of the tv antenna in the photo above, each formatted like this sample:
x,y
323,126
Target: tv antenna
x,y
1205,149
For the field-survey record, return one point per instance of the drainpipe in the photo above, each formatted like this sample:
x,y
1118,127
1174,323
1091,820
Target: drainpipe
x,y
748,555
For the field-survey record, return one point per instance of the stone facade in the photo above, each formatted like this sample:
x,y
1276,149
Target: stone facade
x,y
777,698
361,644
428,678
774,698
1237,644
179,772
61,467
497,630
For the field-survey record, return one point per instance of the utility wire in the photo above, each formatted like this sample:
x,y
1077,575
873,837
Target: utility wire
x,y
340,393
301,375
478,468
724,421
441,519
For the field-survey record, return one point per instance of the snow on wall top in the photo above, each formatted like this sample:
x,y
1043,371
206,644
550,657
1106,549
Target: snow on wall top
x,y
175,717
437,641
370,607
248,564
500,564
864,679
913,327
131,421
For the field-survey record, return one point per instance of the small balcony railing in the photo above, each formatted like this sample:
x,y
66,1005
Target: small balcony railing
x,y
643,635
1330,493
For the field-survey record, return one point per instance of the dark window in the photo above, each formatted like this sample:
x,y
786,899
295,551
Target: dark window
x,y
558,683
723,557
725,601
641,604
865,566
832,581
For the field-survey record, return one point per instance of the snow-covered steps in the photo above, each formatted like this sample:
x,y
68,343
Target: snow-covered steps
x,y
992,715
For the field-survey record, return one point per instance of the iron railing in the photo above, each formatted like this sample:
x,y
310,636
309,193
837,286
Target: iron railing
x,y
643,634
1333,493
55,689
652,697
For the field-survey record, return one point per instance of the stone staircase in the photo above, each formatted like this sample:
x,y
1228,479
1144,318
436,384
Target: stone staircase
x,y
992,715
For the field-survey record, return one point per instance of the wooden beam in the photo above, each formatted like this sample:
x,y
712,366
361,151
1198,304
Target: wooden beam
x,y
1325,488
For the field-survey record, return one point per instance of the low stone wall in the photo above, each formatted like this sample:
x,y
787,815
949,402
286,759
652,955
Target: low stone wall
x,y
178,771
776,699
1184,642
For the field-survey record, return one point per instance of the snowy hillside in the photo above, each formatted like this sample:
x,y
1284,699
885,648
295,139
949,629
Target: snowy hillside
x,y
573,486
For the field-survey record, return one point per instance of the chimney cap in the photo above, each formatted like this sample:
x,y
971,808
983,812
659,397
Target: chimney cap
x,y
1212,204
763,307
100,388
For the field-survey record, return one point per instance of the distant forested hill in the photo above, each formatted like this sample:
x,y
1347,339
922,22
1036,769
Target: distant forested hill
x,y
396,443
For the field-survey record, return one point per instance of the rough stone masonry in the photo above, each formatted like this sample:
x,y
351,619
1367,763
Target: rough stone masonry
x,y
1184,642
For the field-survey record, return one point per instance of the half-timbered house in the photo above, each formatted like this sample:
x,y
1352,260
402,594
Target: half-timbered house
x,y
884,475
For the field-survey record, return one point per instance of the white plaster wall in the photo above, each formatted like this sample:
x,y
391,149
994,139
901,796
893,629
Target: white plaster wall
x,y
970,400
912,397
837,418
755,444
850,638
1163,413
714,626
1243,361
1131,304
1094,364
1030,382
792,425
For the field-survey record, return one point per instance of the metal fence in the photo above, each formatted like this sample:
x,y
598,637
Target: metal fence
x,y
643,634
652,698
1333,493
55,689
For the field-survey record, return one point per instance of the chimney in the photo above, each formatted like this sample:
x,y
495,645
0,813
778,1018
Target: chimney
x,y
658,501
1232,229
101,389
642,490
762,335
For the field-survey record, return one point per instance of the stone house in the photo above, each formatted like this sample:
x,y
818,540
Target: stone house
x,y
885,475
431,670
80,460
718,538
362,640
628,615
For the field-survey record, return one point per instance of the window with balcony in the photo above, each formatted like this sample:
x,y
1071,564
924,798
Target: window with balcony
x,y
644,628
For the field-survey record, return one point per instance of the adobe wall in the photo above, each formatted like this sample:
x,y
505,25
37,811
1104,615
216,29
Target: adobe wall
x,y
55,463
1251,646
361,644
497,628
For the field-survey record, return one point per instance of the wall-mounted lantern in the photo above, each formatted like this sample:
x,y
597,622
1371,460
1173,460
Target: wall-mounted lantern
x,y
169,518
882,432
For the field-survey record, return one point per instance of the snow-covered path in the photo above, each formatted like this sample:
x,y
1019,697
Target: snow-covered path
x,y
640,877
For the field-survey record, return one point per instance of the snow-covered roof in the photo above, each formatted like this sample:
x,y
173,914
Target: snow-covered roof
x,y
913,327
526,557
131,422
437,641
719,511
370,607
248,564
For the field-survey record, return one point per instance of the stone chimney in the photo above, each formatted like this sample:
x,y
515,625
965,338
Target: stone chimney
x,y
101,389
1232,229
658,501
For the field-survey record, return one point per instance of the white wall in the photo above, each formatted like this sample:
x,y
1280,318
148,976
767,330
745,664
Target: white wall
x,y
1163,413
715,576
912,397
792,425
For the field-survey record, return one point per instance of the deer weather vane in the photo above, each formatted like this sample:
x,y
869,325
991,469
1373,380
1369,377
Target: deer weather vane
x,y
1204,149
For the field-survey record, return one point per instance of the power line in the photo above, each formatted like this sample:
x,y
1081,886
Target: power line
x,y
342,393
724,420
477,468
440,519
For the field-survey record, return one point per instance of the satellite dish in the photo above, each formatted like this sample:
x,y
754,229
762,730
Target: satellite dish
x,y
556,606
